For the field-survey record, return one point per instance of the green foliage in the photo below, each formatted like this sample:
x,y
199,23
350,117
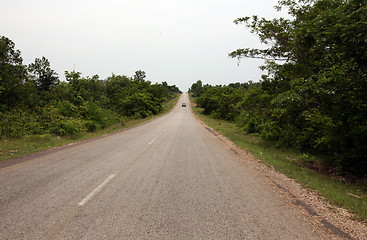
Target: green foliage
x,y
45,76
16,123
254,111
13,75
292,163
316,100
135,97
196,88
34,101
139,76
220,101
67,126
88,89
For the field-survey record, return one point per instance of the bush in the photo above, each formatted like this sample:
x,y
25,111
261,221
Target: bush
x,y
67,126
17,123
91,126
67,109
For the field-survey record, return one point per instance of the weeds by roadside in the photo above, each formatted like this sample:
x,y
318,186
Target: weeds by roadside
x,y
294,164
26,145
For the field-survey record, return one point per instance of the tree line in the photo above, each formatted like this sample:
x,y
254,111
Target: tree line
x,y
314,97
33,100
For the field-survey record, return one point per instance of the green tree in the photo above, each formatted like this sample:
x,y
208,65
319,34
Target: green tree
x,y
45,76
220,101
196,88
87,89
318,90
140,76
13,75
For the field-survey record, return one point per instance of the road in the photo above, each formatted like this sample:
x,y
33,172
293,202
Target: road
x,y
166,179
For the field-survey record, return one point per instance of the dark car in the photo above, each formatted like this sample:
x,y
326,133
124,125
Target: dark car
x,y
183,104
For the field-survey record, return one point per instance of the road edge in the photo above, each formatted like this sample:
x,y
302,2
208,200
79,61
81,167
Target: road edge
x,y
21,159
334,221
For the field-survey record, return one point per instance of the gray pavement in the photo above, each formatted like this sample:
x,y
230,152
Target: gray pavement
x,y
166,179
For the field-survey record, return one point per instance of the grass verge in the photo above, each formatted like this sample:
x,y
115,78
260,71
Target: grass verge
x,y
335,189
22,146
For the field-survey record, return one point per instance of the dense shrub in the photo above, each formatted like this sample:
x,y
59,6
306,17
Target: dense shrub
x,y
317,80
34,101
67,126
295,118
221,101
17,123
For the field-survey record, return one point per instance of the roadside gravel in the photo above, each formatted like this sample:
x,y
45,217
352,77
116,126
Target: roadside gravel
x,y
335,221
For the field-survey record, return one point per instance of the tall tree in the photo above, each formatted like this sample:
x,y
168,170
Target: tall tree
x,y
196,88
45,76
140,76
13,74
317,62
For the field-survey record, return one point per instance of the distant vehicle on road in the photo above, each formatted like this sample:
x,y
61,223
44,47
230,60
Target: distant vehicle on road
x,y
183,104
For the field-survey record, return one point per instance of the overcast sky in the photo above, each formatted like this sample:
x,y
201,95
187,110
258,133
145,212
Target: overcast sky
x,y
178,41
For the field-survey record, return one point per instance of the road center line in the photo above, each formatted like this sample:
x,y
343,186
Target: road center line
x,y
157,136
95,191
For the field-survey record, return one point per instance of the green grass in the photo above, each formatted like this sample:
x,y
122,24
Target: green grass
x,y
290,162
22,146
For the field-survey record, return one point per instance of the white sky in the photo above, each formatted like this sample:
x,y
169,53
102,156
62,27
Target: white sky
x,y
178,41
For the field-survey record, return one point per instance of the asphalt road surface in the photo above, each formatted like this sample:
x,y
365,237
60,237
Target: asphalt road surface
x,y
166,179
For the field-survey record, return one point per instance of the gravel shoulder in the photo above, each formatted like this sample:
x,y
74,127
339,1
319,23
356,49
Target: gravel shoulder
x,y
336,222
173,178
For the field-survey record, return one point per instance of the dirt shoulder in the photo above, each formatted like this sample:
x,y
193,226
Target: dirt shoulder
x,y
336,222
